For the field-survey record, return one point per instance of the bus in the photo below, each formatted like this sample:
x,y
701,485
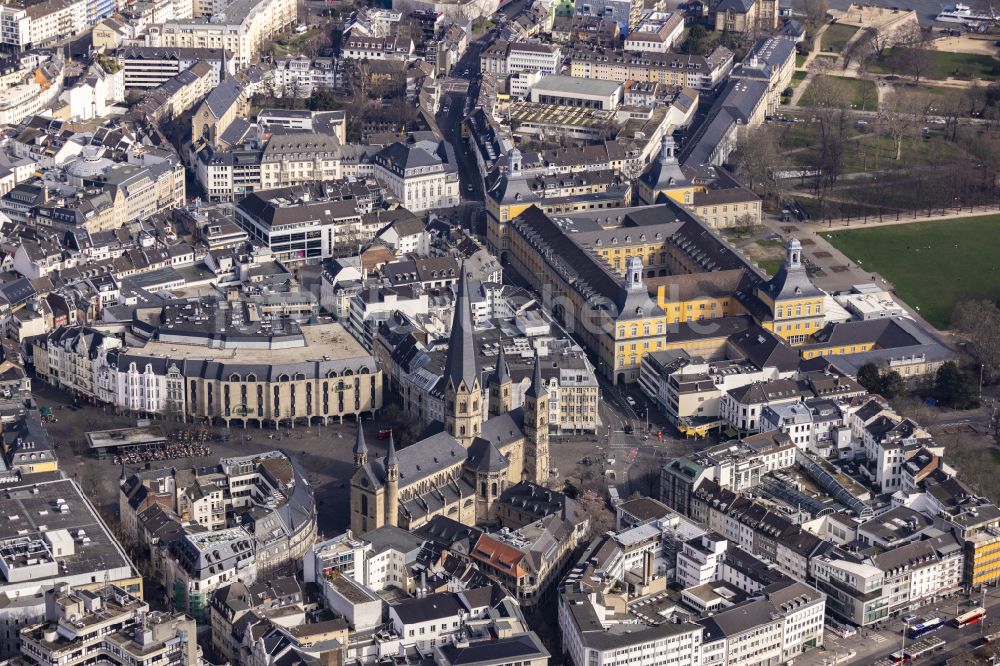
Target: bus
x,y
973,616
925,627
899,657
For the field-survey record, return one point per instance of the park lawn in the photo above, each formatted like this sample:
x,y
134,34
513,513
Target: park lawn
x,y
797,78
948,64
800,60
836,37
871,153
932,265
771,266
858,93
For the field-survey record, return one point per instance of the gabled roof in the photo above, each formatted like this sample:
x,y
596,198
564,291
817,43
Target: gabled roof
x,y
223,96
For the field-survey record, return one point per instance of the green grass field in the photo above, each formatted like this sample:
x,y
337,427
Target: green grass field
x,y
946,64
932,265
859,93
800,60
836,37
771,266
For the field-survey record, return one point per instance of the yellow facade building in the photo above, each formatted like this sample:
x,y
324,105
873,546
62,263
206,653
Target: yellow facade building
x,y
794,304
516,189
665,178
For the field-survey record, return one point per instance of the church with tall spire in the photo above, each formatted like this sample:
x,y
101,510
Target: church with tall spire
x,y
460,467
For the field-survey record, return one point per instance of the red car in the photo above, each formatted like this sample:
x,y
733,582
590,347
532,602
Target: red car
x,y
384,433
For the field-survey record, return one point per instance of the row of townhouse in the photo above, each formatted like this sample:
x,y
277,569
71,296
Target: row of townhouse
x,y
241,28
735,610
39,24
674,69
283,161
505,58
906,572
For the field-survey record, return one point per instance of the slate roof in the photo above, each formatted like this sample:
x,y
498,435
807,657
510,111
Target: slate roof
x,y
461,365
223,96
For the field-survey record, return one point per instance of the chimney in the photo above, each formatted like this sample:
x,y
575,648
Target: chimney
x,y
647,567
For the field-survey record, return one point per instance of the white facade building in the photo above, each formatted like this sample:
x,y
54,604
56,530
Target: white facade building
x,y
422,175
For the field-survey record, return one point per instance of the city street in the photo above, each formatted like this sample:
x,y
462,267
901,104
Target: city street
x,y
871,646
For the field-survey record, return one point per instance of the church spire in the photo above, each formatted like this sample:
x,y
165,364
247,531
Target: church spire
x,y
391,460
360,448
537,388
501,375
391,484
224,70
461,364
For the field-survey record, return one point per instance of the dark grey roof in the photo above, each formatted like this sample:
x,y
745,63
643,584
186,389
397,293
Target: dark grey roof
x,y
501,374
420,460
391,459
524,648
742,6
223,96
236,132
461,364
537,388
360,448
485,457
791,281
431,607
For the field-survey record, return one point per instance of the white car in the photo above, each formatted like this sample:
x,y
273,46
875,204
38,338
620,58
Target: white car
x,y
630,401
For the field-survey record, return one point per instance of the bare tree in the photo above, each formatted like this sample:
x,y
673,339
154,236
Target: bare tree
x,y
880,39
757,155
860,49
916,61
815,15
978,322
897,119
833,120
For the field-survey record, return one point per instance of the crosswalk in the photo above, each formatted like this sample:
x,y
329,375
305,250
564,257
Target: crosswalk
x,y
878,638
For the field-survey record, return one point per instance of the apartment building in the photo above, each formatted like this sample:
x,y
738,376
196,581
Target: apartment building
x,y
283,161
626,13
589,639
109,622
389,47
672,69
786,622
35,556
656,32
38,24
31,91
505,58
298,75
309,223
421,175
148,67
241,30
854,588
15,27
